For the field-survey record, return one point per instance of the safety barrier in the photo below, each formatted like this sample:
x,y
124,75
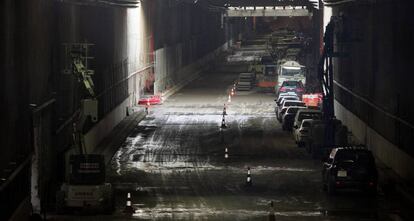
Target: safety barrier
x,y
14,187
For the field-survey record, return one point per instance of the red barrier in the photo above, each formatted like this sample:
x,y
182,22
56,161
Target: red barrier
x,y
312,100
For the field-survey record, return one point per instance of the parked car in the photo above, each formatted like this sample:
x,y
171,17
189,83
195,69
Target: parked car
x,y
288,103
292,86
290,97
306,114
350,168
289,116
301,133
281,111
282,99
291,93
282,95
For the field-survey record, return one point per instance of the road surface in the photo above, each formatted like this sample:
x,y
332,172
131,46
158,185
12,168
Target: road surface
x,y
173,164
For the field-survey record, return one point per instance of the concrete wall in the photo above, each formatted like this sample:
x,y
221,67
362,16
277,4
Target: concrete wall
x,y
386,151
122,62
374,79
32,62
26,70
33,58
33,33
185,36
105,126
173,80
27,66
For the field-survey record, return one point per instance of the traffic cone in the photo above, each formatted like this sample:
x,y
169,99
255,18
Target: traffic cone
x,y
223,123
249,178
128,207
226,153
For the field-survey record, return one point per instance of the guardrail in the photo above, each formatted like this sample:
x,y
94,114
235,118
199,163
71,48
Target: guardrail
x,y
14,186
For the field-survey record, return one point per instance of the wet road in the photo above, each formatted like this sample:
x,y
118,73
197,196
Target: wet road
x,y
173,164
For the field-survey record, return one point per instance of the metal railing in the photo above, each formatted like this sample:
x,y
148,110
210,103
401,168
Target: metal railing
x,y
14,186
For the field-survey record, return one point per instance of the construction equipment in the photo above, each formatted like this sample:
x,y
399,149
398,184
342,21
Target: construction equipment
x,y
265,71
84,187
246,81
291,71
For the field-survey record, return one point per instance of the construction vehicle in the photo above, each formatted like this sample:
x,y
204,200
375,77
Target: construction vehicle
x,y
290,71
265,72
84,187
246,81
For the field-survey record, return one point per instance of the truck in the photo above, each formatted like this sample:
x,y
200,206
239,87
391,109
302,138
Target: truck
x,y
266,73
290,71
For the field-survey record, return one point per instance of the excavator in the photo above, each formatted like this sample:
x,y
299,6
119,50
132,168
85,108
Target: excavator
x,y
84,188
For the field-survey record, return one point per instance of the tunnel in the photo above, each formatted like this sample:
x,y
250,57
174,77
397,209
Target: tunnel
x,y
192,110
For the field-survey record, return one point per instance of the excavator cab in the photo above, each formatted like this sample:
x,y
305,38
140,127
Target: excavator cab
x,y
85,189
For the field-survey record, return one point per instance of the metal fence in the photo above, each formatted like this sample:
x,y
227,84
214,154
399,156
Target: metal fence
x,y
35,168
14,186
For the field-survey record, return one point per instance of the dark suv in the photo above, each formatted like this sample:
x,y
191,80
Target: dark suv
x,y
350,168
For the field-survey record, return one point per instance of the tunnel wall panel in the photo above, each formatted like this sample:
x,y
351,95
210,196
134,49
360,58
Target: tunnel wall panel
x,y
170,78
374,77
185,35
124,42
386,151
122,60
27,67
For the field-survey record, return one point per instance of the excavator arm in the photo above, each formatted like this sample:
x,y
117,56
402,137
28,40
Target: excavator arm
x,y
89,103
